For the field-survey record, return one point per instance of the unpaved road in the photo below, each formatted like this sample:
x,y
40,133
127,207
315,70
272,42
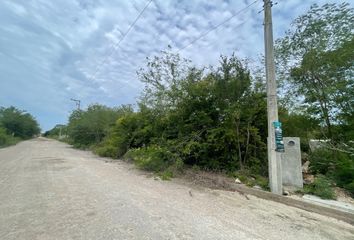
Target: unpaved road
x,y
51,191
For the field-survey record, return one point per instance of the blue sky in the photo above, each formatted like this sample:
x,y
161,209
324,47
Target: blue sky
x,y
49,49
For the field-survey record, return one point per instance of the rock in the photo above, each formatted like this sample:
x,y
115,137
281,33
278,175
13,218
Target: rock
x,y
238,181
257,187
286,193
305,167
157,178
309,178
318,143
190,193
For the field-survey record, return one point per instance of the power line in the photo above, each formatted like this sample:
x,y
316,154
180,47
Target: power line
x,y
77,102
217,26
116,45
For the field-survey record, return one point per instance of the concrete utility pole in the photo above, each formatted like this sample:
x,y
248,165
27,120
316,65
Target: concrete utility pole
x,y
77,102
274,160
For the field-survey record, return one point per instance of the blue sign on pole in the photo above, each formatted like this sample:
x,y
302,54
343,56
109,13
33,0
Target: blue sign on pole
x,y
279,143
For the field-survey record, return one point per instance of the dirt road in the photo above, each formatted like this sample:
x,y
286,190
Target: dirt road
x,y
51,191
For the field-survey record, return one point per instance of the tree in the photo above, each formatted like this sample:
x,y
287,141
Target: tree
x,y
57,131
316,58
211,118
88,127
163,76
18,123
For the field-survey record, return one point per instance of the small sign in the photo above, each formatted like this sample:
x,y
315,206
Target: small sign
x,y
279,143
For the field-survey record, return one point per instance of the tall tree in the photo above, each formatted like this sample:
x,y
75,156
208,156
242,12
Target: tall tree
x,y
316,60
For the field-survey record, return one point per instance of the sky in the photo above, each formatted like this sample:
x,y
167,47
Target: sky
x,y
52,51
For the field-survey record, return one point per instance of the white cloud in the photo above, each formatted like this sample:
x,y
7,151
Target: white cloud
x,y
50,49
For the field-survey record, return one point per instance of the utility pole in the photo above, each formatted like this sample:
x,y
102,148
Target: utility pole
x,y
60,131
77,102
274,160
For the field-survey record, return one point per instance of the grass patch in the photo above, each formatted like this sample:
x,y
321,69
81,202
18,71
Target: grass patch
x,y
156,159
321,187
166,175
6,139
250,179
106,151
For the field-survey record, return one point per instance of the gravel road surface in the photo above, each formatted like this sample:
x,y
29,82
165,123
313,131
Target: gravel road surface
x,y
50,191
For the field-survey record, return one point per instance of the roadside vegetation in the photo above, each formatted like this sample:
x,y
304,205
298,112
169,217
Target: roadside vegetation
x,y
59,132
316,68
16,125
214,117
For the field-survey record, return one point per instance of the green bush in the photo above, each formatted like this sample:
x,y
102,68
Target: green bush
x,y
90,127
18,123
166,175
321,187
7,140
322,161
106,151
154,158
4,138
335,165
350,187
250,179
59,132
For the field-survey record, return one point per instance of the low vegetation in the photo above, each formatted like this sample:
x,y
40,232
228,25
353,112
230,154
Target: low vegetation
x,y
321,187
337,165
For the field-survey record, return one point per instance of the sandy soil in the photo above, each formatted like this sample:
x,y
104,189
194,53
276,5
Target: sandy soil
x,y
50,191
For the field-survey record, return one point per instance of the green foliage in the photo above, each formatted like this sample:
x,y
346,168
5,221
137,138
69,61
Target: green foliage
x,y
166,175
315,63
58,132
251,179
7,140
15,125
18,123
132,130
187,116
321,187
105,149
316,58
155,158
300,125
337,165
215,117
91,126
350,188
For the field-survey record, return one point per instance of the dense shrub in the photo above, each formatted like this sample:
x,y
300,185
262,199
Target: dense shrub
x,y
89,127
337,165
211,119
130,131
5,139
214,120
215,117
105,149
300,125
18,123
155,158
321,187
59,131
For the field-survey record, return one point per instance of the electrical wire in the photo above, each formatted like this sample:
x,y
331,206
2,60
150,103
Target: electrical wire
x,y
217,26
116,45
